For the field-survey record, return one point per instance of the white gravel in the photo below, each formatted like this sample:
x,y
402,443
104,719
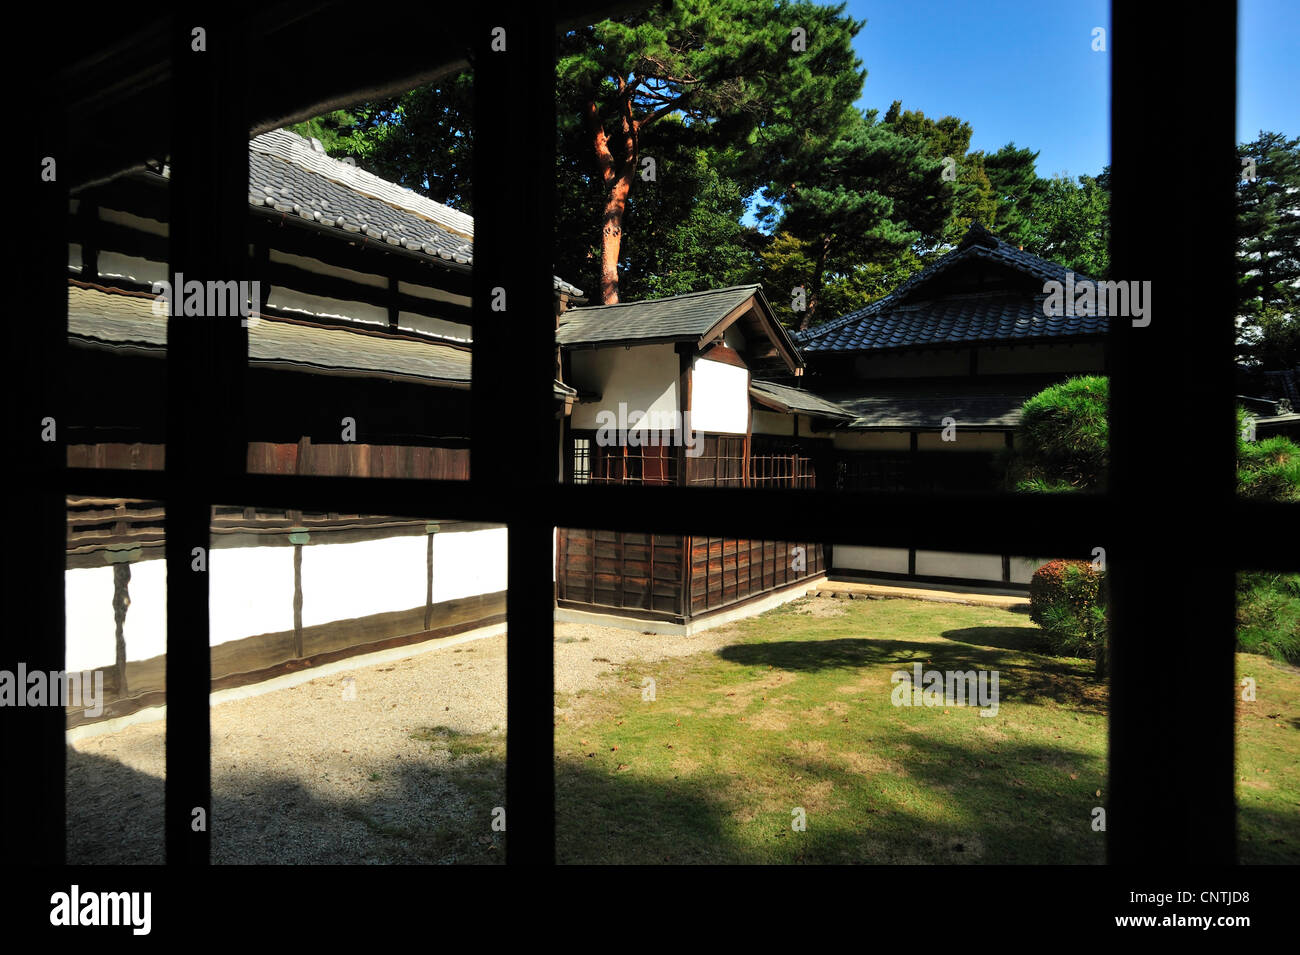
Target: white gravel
x,y
303,775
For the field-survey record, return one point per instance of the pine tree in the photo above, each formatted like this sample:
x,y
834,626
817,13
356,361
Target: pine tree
x,y
1268,250
755,82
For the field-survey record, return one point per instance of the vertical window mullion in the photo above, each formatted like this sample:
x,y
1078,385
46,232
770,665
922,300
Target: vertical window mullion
x,y
513,375
206,358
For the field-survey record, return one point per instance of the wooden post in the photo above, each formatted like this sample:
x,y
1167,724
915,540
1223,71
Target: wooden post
x,y
297,601
121,600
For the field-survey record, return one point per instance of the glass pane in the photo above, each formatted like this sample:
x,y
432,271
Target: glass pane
x,y
116,616
358,675
725,701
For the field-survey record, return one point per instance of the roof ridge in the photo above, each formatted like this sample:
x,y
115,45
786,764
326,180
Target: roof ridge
x,y
292,150
291,147
667,298
978,241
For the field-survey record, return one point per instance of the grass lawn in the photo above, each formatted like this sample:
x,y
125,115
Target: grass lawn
x,y
1268,762
796,712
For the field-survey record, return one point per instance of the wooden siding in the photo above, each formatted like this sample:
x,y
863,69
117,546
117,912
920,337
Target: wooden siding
x,y
651,572
725,571
623,571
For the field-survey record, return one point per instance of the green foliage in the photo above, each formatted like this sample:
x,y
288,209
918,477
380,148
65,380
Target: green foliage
x,y
1268,237
1267,470
1068,599
1016,192
870,196
1063,441
969,194
743,96
327,128
422,139
1268,615
1069,223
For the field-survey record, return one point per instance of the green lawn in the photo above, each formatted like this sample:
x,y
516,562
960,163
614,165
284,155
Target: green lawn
x,y
1268,762
796,712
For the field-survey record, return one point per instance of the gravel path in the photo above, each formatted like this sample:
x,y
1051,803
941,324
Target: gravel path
x,y
407,771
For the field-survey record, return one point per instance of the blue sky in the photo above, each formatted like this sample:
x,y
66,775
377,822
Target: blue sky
x,y
1025,71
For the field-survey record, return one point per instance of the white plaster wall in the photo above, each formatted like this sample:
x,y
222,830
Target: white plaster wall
x,y
132,268
468,563
291,300
409,321
341,581
145,626
890,560
964,441
90,641
643,377
133,221
772,422
308,264
1022,568
719,398
938,563
250,591
88,615
433,294
872,440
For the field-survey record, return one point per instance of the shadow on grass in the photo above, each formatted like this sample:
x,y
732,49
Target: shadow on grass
x,y
1021,681
1026,639
1265,837
1007,804
606,816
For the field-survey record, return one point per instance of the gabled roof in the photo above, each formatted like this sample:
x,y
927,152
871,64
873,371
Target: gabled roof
x,y
784,398
698,317
914,314
292,176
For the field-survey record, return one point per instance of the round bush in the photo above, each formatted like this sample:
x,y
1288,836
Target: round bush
x,y
1067,598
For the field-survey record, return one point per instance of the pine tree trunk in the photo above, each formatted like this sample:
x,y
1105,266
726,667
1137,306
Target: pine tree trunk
x,y
611,236
815,289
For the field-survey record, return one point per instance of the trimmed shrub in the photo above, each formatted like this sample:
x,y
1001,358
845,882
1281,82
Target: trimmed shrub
x,y
1063,440
1268,615
1067,598
1267,470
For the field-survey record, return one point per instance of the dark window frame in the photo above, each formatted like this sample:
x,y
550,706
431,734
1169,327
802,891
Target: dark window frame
x,y
1171,765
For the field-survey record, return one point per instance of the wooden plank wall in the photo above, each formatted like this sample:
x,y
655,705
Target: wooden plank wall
x,y
358,460
265,457
725,571
643,572
620,570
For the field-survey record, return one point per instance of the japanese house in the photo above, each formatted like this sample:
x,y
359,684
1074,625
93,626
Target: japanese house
x,y
359,282
933,377
666,395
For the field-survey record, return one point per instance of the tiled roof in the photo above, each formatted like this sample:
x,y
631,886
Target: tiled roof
x,y
797,400
288,175
127,320
678,317
1284,384
908,317
925,410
